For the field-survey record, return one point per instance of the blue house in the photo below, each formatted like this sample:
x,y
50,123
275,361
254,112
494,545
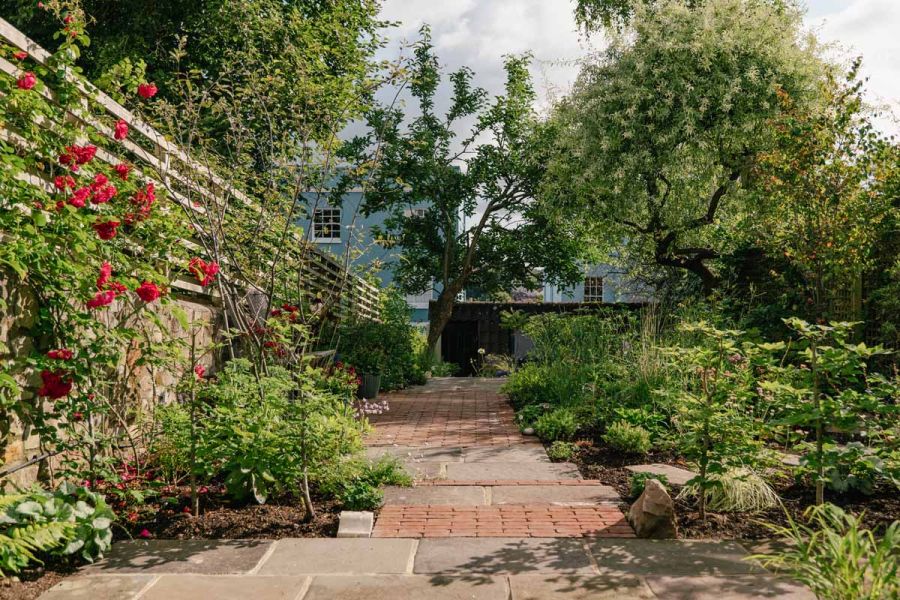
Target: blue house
x,y
602,283
343,230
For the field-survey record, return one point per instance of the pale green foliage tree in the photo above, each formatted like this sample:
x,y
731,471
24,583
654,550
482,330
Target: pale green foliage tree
x,y
662,128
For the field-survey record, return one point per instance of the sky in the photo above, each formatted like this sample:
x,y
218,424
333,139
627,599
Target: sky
x,y
478,33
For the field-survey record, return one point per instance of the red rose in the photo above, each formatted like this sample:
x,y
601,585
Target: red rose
x,y
101,299
104,194
145,534
26,81
60,354
78,417
199,371
77,155
122,171
148,291
116,287
64,181
68,19
84,154
121,131
146,90
56,384
202,270
106,230
20,55
105,275
99,181
79,197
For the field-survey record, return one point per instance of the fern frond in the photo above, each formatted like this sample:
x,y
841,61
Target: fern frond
x,y
20,544
9,499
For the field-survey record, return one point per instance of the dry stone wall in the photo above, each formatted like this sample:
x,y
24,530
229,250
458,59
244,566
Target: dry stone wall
x,y
143,386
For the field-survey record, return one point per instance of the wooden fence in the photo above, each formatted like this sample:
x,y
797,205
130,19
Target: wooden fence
x,y
172,168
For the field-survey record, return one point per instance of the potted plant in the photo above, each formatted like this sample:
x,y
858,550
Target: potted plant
x,y
364,349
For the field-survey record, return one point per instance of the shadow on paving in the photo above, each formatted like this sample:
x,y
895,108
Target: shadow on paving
x,y
182,556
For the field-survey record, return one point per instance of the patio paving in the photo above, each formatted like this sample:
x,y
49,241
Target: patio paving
x,y
501,523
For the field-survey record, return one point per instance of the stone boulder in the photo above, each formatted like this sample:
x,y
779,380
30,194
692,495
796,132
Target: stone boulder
x,y
653,514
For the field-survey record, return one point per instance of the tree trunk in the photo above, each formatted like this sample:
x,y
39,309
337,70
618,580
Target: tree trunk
x,y
443,310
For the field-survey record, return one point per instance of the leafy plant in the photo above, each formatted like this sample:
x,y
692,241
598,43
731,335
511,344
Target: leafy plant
x,y
715,430
628,438
559,424
359,494
837,557
562,451
72,520
845,468
638,481
737,490
829,387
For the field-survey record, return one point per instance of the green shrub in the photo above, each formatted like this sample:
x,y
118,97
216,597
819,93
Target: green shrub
x,y
738,490
556,384
72,520
256,432
559,424
387,347
638,481
355,482
358,494
628,438
836,557
562,451
845,468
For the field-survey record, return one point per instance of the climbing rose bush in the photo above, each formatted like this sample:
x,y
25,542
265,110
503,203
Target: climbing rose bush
x,y
93,249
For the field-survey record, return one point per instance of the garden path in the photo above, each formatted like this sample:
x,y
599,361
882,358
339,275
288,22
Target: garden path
x,y
491,518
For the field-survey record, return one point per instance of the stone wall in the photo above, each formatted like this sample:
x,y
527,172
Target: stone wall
x,y
143,386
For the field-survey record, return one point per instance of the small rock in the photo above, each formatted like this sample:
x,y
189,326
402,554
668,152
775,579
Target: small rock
x,y
528,431
653,514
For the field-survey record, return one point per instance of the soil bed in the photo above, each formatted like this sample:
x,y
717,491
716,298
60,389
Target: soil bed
x,y
606,465
222,519
31,583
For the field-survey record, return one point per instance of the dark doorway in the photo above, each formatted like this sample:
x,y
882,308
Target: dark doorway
x,y
459,345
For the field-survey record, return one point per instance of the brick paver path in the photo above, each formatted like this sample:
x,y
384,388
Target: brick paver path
x,y
451,412
452,421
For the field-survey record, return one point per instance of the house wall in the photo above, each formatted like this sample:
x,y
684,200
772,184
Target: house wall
x,y
358,243
617,288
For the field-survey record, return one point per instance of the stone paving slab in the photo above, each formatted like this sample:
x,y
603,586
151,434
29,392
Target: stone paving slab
x,y
579,587
675,475
671,557
417,496
555,495
534,453
224,587
424,470
522,470
502,556
416,453
736,587
348,556
407,587
210,557
112,587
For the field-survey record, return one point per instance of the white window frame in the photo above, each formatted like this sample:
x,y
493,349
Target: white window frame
x,y
415,212
593,289
333,225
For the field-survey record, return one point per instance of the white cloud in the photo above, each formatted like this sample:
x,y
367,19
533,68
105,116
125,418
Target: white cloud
x,y
869,28
478,33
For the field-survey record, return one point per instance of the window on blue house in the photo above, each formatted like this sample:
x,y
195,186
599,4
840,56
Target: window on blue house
x,y
593,289
326,225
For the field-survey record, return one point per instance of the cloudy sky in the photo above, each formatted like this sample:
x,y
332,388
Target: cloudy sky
x,y
478,33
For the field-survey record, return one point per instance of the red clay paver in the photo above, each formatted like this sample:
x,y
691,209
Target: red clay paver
x,y
432,521
475,415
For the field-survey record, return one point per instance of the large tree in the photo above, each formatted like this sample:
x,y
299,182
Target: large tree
x,y
663,127
483,226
